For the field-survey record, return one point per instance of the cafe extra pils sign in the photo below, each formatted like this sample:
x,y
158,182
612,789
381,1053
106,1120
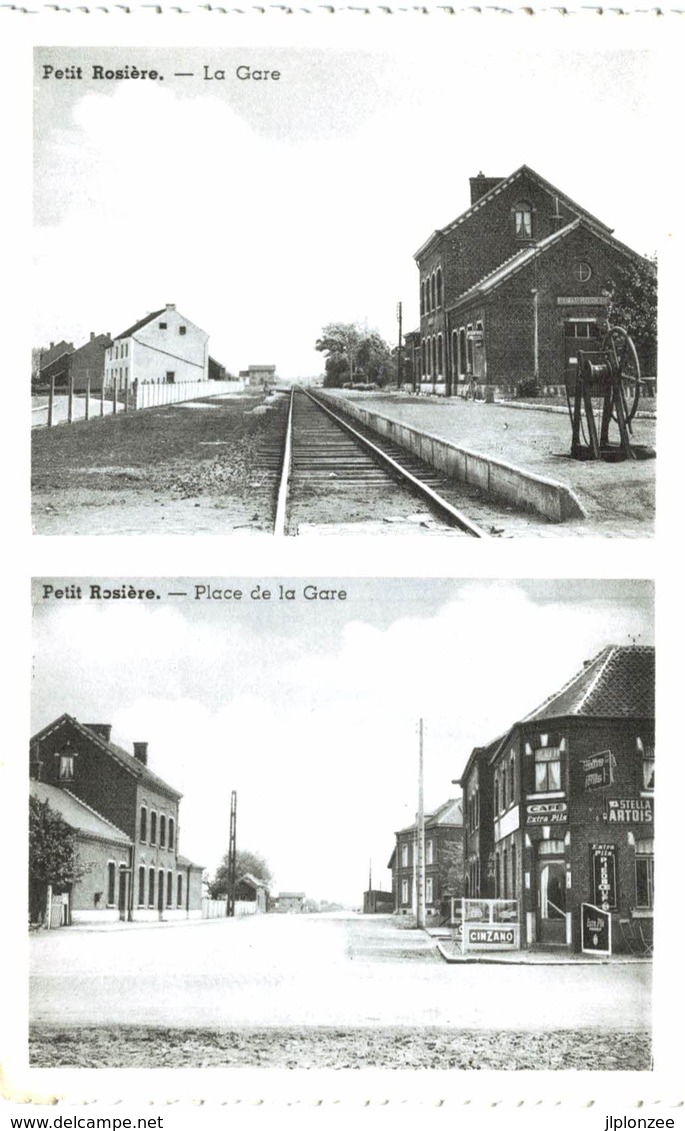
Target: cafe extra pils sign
x,y
547,813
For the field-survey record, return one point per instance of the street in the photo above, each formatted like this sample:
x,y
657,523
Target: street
x,y
291,972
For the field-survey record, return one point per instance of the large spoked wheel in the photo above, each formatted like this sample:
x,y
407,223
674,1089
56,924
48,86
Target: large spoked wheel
x,y
618,343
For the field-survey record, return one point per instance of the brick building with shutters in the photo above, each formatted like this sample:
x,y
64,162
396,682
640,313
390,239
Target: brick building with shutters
x,y
511,289
560,808
146,877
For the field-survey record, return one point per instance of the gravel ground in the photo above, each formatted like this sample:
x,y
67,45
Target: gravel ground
x,y
398,1048
198,467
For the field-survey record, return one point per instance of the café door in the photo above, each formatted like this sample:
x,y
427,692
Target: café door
x,y
552,902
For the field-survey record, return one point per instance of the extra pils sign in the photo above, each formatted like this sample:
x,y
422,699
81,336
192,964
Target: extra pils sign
x,y
603,869
595,930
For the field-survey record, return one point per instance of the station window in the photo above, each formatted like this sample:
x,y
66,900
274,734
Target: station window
x,y
179,890
582,272
153,827
523,221
438,285
141,886
162,831
143,822
111,883
66,767
151,888
170,838
547,769
433,298
644,873
169,889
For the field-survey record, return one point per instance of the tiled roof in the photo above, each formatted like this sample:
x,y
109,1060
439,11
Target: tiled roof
x,y
77,814
133,765
184,862
449,813
488,196
139,325
617,683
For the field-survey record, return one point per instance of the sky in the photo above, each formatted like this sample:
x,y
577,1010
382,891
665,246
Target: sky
x,y
265,210
309,709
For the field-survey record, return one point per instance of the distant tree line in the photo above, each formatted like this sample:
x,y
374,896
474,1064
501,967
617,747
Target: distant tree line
x,y
355,355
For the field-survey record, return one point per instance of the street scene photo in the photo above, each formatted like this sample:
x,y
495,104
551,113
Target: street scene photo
x,y
303,832
473,358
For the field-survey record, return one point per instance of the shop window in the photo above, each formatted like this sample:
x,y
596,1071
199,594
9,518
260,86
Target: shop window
x,y
141,886
547,769
111,884
170,838
179,890
523,221
644,874
143,823
646,752
429,889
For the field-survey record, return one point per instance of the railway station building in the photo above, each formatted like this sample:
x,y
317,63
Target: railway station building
x,y
560,808
512,288
116,806
443,857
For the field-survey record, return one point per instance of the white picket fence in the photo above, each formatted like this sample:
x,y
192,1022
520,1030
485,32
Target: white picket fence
x,y
152,396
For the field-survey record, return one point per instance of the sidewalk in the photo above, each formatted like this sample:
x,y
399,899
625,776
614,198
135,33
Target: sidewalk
x,y
453,955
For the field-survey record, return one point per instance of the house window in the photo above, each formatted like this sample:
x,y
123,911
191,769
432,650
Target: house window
x,y
429,852
429,889
143,822
153,827
405,891
162,325
512,777
405,855
181,329
170,376
162,831
505,783
151,888
582,272
504,874
646,751
111,884
523,220
141,886
547,769
66,767
513,870
644,873
439,353
170,839
179,890
169,889
496,794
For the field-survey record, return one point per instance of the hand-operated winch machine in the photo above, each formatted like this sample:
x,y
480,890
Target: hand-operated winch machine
x,y
612,374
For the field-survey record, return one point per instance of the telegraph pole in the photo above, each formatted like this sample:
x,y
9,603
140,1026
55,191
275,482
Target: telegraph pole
x,y
399,346
230,901
421,838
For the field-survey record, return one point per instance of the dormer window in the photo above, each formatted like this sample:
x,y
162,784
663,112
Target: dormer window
x,y
523,221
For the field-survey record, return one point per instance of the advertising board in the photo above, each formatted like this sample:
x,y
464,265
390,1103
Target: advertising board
x,y
595,930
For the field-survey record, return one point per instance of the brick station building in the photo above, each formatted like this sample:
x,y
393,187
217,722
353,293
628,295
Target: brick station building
x,y
126,821
513,287
560,808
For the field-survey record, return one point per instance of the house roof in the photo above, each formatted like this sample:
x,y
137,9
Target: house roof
x,y
252,881
139,325
617,683
133,765
79,816
516,262
449,813
290,895
184,862
484,200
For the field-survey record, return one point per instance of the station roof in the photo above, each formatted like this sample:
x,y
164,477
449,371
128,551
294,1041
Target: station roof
x,y
79,816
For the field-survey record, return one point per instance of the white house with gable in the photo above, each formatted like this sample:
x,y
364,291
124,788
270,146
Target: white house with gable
x,y
162,348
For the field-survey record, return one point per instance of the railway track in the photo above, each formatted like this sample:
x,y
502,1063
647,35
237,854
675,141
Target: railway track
x,y
334,472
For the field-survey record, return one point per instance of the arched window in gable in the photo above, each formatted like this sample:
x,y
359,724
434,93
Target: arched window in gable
x,y
523,220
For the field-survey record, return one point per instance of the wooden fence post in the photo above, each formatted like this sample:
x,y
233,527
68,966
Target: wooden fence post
x,y
70,410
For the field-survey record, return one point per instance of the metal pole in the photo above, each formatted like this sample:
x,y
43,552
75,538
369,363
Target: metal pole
x,y
421,837
536,357
399,346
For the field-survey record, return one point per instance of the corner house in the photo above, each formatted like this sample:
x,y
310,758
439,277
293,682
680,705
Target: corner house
x,y
126,821
570,807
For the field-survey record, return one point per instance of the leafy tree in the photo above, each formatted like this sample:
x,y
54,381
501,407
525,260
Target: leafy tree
x,y
451,869
53,855
633,305
245,862
354,353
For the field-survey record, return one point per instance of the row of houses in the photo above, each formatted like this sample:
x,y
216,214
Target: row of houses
x,y
164,347
513,287
555,813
